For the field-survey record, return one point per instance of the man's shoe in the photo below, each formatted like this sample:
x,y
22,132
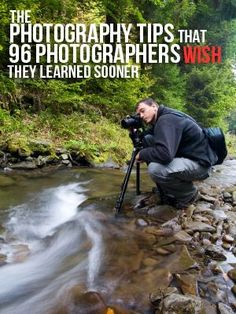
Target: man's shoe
x,y
194,199
164,198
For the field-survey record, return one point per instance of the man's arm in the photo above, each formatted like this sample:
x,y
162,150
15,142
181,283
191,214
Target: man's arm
x,y
167,136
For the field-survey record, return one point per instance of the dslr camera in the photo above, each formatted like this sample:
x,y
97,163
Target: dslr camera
x,y
135,124
132,122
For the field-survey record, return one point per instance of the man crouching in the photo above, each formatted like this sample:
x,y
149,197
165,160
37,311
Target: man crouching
x,y
176,151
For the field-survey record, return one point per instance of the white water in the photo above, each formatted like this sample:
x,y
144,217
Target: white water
x,y
56,231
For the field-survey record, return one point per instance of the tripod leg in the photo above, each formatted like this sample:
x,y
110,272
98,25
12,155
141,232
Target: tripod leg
x,y
125,182
138,178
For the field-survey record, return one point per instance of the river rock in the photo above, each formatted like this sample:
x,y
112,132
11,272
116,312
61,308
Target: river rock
x,y
198,226
224,309
40,146
232,230
187,283
183,236
226,245
234,197
228,238
233,289
215,252
162,251
157,296
219,214
206,242
21,252
232,274
176,303
201,218
215,268
180,261
89,302
27,165
140,222
227,196
208,198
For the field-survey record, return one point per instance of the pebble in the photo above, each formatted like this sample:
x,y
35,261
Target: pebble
x,y
232,274
226,245
233,289
141,222
228,238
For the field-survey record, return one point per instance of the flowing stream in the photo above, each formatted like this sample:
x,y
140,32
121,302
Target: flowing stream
x,y
59,231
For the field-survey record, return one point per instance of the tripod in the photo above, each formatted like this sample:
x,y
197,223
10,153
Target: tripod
x,y
135,136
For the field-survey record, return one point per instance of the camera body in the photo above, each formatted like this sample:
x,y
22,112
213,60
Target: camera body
x,y
132,122
135,124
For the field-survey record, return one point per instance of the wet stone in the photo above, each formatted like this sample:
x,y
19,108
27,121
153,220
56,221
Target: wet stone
x,y
162,251
226,245
233,289
219,215
141,222
234,197
206,242
208,198
224,309
176,303
215,268
206,235
215,252
232,274
227,195
183,236
228,238
199,226
89,302
161,293
187,283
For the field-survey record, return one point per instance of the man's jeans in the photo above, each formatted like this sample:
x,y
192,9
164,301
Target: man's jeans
x,y
175,179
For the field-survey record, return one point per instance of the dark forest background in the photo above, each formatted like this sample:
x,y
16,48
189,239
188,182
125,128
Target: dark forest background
x,y
84,114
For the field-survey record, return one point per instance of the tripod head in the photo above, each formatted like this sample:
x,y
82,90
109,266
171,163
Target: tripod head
x,y
137,138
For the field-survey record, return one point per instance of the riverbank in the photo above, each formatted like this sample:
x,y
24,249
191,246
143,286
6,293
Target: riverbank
x,y
34,141
29,141
199,246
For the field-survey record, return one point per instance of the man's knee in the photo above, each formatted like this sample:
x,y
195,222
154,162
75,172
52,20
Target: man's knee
x,y
156,170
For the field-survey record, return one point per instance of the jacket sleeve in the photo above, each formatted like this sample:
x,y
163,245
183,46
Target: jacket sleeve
x,y
167,136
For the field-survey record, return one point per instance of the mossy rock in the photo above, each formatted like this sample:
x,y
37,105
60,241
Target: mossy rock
x,y
41,147
19,145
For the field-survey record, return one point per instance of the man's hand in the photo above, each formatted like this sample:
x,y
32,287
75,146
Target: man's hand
x,y
137,158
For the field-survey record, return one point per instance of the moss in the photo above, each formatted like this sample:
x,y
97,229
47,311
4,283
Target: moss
x,y
96,140
41,147
18,144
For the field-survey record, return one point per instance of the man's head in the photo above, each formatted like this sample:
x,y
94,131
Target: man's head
x,y
147,109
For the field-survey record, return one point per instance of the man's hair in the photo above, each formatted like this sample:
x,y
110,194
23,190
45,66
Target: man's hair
x,y
146,101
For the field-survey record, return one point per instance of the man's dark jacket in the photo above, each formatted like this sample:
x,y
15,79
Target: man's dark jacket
x,y
177,135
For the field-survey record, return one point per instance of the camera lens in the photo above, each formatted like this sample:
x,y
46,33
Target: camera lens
x,y
132,122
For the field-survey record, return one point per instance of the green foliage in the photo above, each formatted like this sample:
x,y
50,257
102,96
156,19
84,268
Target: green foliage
x,y
231,144
169,85
207,97
231,119
116,97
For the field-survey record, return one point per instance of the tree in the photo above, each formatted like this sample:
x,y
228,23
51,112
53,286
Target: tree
x,y
210,93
